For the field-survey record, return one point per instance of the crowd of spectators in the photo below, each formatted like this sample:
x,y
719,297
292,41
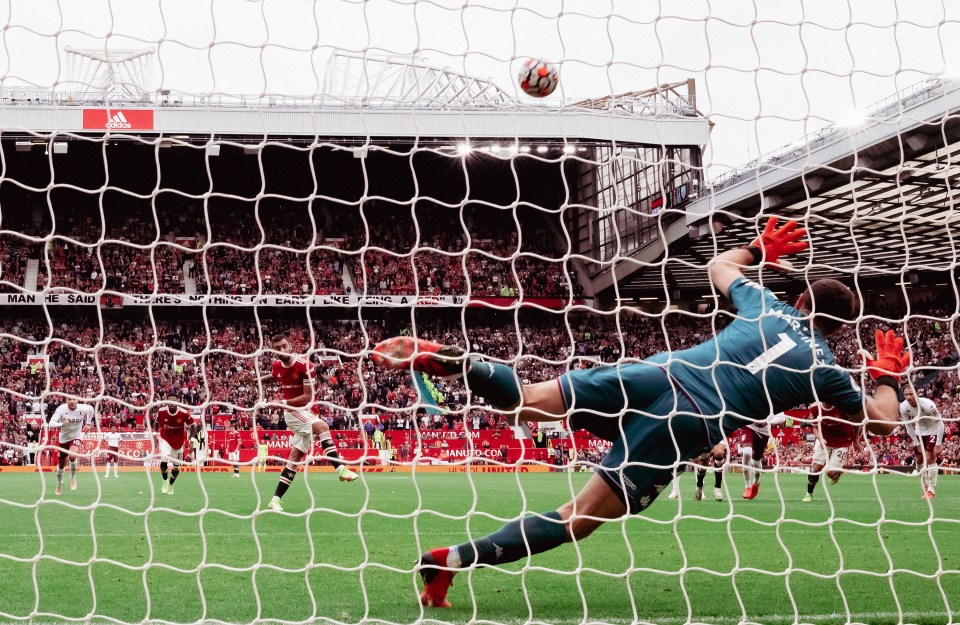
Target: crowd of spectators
x,y
377,249
437,250
129,364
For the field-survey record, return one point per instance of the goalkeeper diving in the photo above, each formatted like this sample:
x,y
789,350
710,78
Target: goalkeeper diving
x,y
671,407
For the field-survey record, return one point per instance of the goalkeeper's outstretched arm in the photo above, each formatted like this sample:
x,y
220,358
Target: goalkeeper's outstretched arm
x,y
892,360
767,249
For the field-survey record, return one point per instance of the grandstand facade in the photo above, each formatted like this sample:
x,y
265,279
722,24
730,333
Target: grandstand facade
x,y
157,244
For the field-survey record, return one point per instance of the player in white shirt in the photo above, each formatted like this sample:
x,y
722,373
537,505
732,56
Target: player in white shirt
x,y
924,425
72,418
112,441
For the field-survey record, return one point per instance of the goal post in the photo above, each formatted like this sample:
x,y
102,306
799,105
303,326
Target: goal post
x,y
215,209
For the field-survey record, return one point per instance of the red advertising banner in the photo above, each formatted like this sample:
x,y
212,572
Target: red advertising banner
x,y
118,119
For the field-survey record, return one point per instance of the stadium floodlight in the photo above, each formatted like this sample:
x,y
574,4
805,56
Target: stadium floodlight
x,y
113,74
463,148
542,149
950,73
852,120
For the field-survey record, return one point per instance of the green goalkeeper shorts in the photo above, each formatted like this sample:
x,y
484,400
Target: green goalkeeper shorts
x,y
653,426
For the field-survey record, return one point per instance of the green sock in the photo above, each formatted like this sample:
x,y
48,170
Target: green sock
x,y
496,383
515,540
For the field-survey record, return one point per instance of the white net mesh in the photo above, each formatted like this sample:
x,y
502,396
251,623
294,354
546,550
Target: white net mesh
x,y
180,186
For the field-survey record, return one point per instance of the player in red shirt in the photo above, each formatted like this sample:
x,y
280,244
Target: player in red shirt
x,y
233,448
296,377
834,434
170,424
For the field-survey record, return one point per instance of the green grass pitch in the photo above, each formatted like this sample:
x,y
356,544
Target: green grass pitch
x,y
345,552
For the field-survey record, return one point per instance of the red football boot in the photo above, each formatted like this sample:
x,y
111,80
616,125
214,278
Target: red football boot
x,y
751,491
436,580
928,495
427,357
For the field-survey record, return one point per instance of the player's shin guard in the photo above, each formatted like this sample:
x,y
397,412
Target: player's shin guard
x,y
496,383
718,478
173,474
286,477
329,450
163,470
812,480
515,540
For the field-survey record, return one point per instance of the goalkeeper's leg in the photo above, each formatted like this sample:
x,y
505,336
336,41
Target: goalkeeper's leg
x,y
496,383
520,539
621,484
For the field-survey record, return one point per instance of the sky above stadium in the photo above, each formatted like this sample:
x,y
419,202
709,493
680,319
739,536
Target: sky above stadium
x,y
768,72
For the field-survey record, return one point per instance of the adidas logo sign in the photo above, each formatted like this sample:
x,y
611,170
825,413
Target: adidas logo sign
x,y
118,122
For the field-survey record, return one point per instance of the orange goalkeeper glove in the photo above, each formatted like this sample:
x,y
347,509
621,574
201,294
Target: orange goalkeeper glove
x,y
774,243
891,361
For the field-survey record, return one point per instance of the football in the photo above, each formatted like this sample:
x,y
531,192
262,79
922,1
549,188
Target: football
x,y
538,78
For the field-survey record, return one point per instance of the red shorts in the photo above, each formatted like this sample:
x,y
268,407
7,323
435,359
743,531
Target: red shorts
x,y
77,442
113,452
755,441
928,441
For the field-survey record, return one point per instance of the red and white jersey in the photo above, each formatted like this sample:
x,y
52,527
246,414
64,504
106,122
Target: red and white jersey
x,y
835,428
113,439
295,378
71,422
233,441
924,419
172,425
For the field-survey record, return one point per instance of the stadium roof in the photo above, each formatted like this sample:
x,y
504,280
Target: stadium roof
x,y
366,99
878,199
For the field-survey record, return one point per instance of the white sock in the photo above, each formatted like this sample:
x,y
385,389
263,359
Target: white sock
x,y
747,461
59,476
73,470
757,471
932,477
453,558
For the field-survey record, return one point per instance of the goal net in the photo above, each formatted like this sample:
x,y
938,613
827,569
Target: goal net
x,y
210,218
